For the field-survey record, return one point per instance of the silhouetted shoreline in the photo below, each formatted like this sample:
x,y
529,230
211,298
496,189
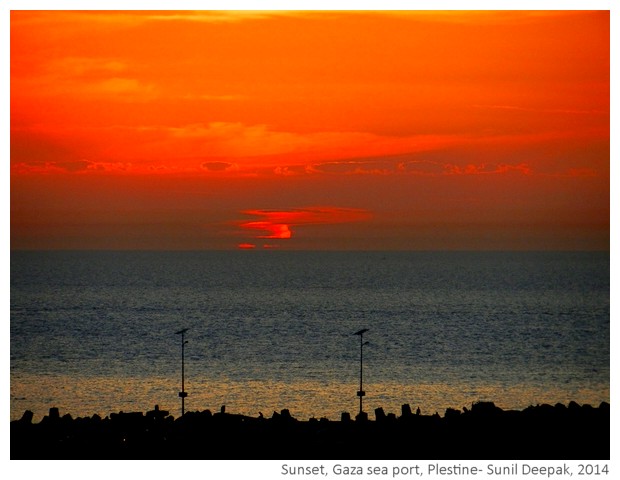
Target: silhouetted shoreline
x,y
485,431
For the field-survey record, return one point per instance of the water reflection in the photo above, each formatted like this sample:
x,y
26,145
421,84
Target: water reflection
x,y
85,396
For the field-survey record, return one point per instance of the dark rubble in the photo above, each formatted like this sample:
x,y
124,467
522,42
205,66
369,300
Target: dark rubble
x,y
482,432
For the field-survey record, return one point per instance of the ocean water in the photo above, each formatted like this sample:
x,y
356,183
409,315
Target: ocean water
x,y
94,332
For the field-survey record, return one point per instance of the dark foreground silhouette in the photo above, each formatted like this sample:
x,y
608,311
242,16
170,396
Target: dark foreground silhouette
x,y
483,432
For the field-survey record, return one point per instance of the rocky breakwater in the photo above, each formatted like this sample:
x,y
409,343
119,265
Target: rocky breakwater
x,y
483,431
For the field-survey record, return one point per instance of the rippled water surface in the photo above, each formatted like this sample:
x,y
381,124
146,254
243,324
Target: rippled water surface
x,y
94,332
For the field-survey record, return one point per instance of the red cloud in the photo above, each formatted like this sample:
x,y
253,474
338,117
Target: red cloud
x,y
276,224
275,230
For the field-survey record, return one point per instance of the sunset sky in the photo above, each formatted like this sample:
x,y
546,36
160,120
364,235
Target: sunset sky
x,y
457,130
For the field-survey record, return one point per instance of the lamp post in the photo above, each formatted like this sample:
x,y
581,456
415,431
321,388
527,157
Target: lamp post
x,y
182,393
361,393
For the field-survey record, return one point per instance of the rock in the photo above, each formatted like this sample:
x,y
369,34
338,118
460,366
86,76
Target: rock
x,y
361,417
27,417
380,414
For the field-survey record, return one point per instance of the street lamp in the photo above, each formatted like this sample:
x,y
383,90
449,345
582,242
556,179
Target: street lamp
x,y
182,393
361,393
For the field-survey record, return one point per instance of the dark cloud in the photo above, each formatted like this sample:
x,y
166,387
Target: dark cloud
x,y
375,166
73,165
217,166
422,167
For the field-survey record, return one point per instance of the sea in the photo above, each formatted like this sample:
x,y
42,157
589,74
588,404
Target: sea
x,y
96,332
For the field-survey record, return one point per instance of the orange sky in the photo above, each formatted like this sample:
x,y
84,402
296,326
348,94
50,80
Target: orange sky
x,y
310,130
